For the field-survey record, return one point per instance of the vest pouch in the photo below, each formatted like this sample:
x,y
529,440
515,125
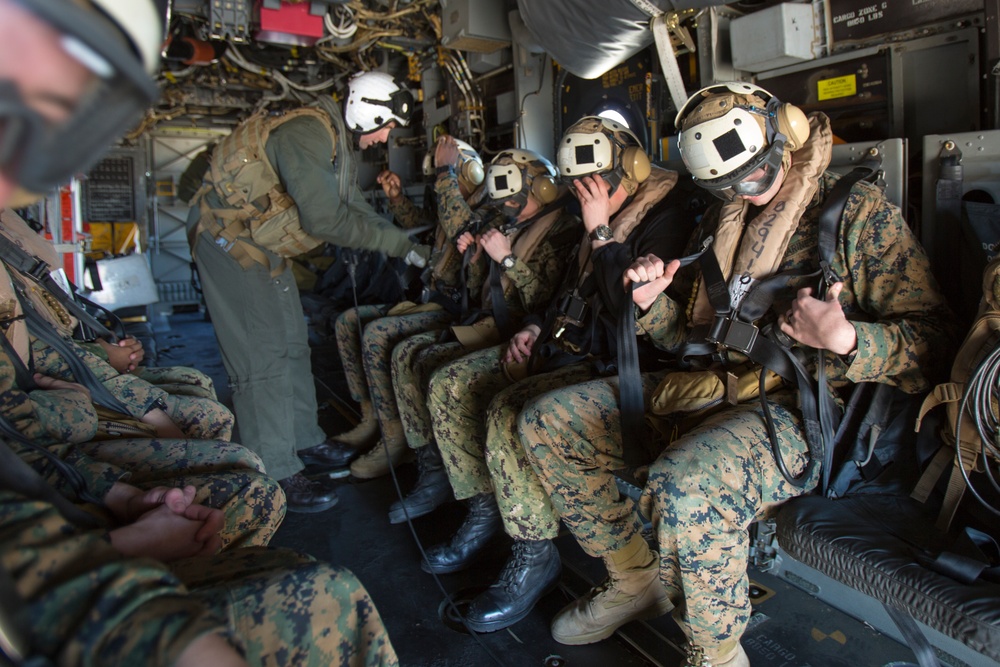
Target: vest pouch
x,y
684,398
279,230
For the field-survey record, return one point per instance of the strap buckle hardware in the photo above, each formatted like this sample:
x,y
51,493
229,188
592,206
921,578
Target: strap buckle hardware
x,y
733,334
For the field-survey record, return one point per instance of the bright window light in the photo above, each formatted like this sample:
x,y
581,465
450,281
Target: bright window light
x,y
612,114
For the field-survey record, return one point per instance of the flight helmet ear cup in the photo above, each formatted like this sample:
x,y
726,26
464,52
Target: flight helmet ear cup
x,y
792,123
544,189
473,172
635,164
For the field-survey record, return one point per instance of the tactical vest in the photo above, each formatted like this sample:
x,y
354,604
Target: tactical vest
x,y
262,212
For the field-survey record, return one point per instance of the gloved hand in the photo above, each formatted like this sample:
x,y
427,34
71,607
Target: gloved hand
x,y
418,256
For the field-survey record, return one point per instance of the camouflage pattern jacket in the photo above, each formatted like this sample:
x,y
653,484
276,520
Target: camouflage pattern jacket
x,y
905,329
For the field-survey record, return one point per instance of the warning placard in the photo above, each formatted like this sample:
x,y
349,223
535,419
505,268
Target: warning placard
x,y
841,86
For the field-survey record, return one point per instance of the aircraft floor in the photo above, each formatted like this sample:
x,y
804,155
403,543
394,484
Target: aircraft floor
x,y
789,628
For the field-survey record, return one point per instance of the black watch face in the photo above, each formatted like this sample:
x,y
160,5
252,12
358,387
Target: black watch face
x,y
602,233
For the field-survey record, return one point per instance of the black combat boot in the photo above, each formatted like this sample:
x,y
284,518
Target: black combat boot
x,y
531,572
482,523
329,455
308,495
431,490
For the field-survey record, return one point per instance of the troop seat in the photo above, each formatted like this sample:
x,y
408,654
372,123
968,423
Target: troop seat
x,y
882,546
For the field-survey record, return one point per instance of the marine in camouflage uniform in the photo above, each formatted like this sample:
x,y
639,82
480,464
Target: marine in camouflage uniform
x,y
714,480
194,407
474,402
85,604
227,476
526,287
367,334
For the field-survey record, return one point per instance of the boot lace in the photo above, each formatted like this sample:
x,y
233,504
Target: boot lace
x,y
297,482
517,561
694,656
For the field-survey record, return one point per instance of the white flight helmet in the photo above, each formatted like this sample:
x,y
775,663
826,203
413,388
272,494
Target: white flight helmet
x,y
517,172
119,41
729,131
470,171
595,145
375,99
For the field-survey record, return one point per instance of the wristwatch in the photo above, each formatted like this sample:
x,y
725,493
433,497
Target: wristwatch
x,y
445,169
508,262
602,233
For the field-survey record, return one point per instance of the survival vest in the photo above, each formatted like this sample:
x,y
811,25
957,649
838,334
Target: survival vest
x,y
262,212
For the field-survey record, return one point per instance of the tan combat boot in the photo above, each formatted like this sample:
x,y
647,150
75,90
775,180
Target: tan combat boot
x,y
363,435
631,592
373,463
729,654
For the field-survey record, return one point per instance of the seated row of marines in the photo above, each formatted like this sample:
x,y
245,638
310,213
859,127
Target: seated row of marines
x,y
520,378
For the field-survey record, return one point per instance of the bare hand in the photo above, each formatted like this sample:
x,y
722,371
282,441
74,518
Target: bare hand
x,y
391,185
495,243
124,356
210,650
46,382
519,348
657,276
127,503
820,324
446,152
595,201
168,536
165,426
464,241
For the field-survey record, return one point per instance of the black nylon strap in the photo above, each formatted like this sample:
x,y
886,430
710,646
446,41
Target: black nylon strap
x,y
18,476
23,375
630,398
36,269
45,332
915,639
501,314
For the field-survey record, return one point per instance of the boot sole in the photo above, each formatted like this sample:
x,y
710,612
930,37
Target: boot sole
x,y
659,609
507,622
451,569
398,516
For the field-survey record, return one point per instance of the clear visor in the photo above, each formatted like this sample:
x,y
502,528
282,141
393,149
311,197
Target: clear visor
x,y
41,155
753,179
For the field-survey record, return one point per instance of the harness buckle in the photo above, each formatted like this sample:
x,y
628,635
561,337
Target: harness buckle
x,y
39,270
734,334
829,277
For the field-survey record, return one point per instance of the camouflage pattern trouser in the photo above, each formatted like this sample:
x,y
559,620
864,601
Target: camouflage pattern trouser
x,y
413,361
200,418
179,381
86,604
227,476
474,408
372,378
287,609
706,487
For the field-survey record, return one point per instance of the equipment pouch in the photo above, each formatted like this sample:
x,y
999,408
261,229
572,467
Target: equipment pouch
x,y
113,425
684,398
410,308
477,336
